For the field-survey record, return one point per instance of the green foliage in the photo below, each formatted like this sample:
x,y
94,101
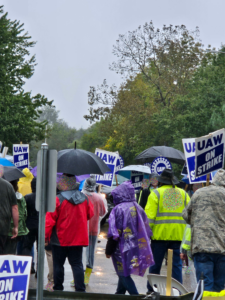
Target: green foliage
x,y
19,110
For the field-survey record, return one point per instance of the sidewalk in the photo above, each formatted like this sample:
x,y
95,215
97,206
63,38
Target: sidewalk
x,y
104,278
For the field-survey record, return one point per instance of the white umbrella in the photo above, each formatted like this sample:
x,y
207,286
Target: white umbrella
x,y
137,168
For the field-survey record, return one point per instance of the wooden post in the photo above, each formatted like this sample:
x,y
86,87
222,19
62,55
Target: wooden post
x,y
207,180
99,188
169,273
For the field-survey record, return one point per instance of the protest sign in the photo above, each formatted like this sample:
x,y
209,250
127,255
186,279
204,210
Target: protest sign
x,y
119,164
189,152
110,158
209,153
21,155
14,277
148,165
136,178
159,164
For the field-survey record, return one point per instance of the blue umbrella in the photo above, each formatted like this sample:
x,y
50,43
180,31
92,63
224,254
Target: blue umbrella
x,y
185,179
5,162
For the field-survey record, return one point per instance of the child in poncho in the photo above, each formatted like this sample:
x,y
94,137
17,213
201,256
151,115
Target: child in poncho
x,y
128,238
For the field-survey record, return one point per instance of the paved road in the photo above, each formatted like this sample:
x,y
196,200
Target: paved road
x,y
104,278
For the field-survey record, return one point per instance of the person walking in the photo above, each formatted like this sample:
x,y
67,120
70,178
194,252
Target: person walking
x,y
100,209
206,215
164,211
11,243
66,229
128,238
9,209
32,223
153,184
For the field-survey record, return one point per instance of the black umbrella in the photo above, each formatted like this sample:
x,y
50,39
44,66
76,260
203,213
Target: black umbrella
x,y
12,173
80,162
172,154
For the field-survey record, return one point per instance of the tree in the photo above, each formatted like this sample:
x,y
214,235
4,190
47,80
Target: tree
x,y
19,110
166,58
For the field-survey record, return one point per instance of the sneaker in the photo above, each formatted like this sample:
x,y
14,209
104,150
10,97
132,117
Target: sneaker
x,y
72,284
49,287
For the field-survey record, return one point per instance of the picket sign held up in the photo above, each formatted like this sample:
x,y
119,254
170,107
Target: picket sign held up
x,y
189,152
209,154
110,158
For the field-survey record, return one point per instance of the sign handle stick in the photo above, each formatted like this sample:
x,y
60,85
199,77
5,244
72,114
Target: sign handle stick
x,y
207,180
169,273
186,186
116,180
99,188
41,229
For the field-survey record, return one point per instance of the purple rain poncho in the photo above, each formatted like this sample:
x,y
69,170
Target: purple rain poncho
x,y
128,224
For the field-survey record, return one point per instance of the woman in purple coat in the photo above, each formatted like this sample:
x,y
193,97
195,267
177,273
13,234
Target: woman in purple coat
x,y
128,238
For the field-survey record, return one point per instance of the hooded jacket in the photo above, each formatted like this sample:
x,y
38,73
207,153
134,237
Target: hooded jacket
x,y
24,184
128,224
67,225
206,215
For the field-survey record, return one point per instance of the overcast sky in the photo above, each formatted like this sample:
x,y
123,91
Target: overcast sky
x,y
75,39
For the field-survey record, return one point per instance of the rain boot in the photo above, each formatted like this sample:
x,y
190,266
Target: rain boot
x,y
87,275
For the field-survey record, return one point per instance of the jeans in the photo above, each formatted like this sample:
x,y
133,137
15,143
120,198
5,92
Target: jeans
x,y
159,249
28,242
126,284
90,251
212,266
74,255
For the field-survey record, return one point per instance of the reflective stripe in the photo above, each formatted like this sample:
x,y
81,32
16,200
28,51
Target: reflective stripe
x,y
151,220
168,214
185,200
157,194
187,243
170,221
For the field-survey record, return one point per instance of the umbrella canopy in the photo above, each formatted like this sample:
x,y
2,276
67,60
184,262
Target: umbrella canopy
x,y
137,168
6,162
80,162
12,173
78,178
185,179
172,154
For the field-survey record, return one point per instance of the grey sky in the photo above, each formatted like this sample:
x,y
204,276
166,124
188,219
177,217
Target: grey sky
x,y
75,39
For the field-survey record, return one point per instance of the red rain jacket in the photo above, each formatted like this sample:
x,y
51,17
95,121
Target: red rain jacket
x,y
67,225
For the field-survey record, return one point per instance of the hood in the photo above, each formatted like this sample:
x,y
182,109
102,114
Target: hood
x,y
75,197
219,178
33,185
123,193
28,174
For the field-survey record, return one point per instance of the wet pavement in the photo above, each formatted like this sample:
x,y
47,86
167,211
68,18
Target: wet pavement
x,y
104,278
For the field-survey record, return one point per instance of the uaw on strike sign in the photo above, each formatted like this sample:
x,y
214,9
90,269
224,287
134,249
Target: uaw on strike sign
x,y
209,153
14,277
21,156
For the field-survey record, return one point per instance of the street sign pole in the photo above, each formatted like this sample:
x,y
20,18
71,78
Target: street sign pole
x,y
42,176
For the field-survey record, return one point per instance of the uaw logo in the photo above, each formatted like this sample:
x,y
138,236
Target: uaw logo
x,y
119,266
142,243
133,211
159,164
127,233
134,262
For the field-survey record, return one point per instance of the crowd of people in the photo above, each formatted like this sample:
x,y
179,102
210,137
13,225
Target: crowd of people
x,y
191,223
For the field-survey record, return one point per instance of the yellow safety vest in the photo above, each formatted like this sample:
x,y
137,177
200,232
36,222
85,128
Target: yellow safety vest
x,y
186,243
164,211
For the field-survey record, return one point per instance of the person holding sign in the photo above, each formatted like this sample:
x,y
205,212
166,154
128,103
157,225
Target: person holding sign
x,y
206,215
164,211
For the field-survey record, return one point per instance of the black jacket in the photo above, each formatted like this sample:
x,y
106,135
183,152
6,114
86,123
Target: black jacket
x,y
32,214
